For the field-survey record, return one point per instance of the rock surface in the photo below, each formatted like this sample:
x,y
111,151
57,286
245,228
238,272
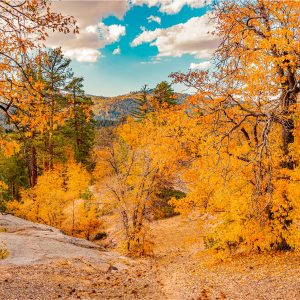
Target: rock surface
x,y
28,242
43,263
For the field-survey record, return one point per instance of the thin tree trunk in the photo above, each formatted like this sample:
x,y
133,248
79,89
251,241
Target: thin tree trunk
x,y
33,167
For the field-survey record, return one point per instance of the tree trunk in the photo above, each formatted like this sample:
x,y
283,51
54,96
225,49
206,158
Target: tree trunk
x,y
31,154
33,167
288,100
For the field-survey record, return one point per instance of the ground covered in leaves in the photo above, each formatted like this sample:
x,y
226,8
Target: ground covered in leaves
x,y
251,278
185,274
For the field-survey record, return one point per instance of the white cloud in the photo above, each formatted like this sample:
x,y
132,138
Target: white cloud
x,y
94,35
153,61
154,19
200,66
192,37
90,12
117,51
111,34
83,54
90,29
171,6
84,47
146,37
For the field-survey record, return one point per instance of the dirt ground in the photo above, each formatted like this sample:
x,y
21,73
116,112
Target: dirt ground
x,y
78,279
185,275
176,272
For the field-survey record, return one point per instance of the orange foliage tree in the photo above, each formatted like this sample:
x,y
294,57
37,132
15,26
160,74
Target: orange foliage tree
x,y
144,158
56,200
246,174
24,27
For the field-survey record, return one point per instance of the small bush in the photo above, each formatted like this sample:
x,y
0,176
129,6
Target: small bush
x,y
162,208
3,251
100,236
2,206
86,195
142,248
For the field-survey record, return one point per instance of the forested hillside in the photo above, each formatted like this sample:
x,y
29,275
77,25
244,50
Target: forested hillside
x,y
204,184
113,110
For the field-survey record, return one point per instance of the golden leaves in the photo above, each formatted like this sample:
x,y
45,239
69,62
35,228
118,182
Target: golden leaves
x,y
245,175
9,147
51,200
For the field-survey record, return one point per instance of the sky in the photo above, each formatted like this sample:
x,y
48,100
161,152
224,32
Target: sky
x,y
125,44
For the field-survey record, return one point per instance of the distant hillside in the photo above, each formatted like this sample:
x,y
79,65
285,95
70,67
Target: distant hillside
x,y
111,110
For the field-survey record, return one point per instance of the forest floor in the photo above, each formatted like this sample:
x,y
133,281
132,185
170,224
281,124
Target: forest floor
x,y
185,275
44,264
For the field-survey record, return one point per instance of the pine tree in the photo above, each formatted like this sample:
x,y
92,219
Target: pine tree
x,y
163,94
142,104
81,126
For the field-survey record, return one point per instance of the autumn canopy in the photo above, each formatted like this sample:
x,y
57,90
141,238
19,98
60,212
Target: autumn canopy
x,y
228,154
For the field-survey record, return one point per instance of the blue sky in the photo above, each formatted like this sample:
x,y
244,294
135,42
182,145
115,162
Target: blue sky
x,y
114,52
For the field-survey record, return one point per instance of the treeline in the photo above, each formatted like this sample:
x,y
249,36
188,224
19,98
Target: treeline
x,y
111,111
48,170
61,125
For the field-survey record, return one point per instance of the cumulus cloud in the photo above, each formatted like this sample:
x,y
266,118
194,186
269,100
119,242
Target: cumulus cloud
x,y
200,66
94,35
83,54
117,51
192,37
171,6
111,34
154,19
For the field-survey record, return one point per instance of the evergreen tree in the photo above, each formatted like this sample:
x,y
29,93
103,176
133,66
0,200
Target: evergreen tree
x,y
81,127
142,105
163,94
55,71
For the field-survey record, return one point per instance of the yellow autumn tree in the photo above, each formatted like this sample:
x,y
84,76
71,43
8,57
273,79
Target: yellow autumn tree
x,y
144,158
246,180
56,200
24,27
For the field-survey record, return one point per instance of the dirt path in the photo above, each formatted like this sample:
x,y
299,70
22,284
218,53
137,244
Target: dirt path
x,y
176,244
184,276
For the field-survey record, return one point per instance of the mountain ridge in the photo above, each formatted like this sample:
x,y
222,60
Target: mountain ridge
x,y
111,110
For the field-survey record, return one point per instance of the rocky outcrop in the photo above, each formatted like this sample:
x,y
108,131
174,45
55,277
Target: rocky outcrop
x,y
43,263
28,243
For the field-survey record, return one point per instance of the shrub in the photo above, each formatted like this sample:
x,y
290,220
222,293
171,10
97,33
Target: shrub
x,y
3,251
162,207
